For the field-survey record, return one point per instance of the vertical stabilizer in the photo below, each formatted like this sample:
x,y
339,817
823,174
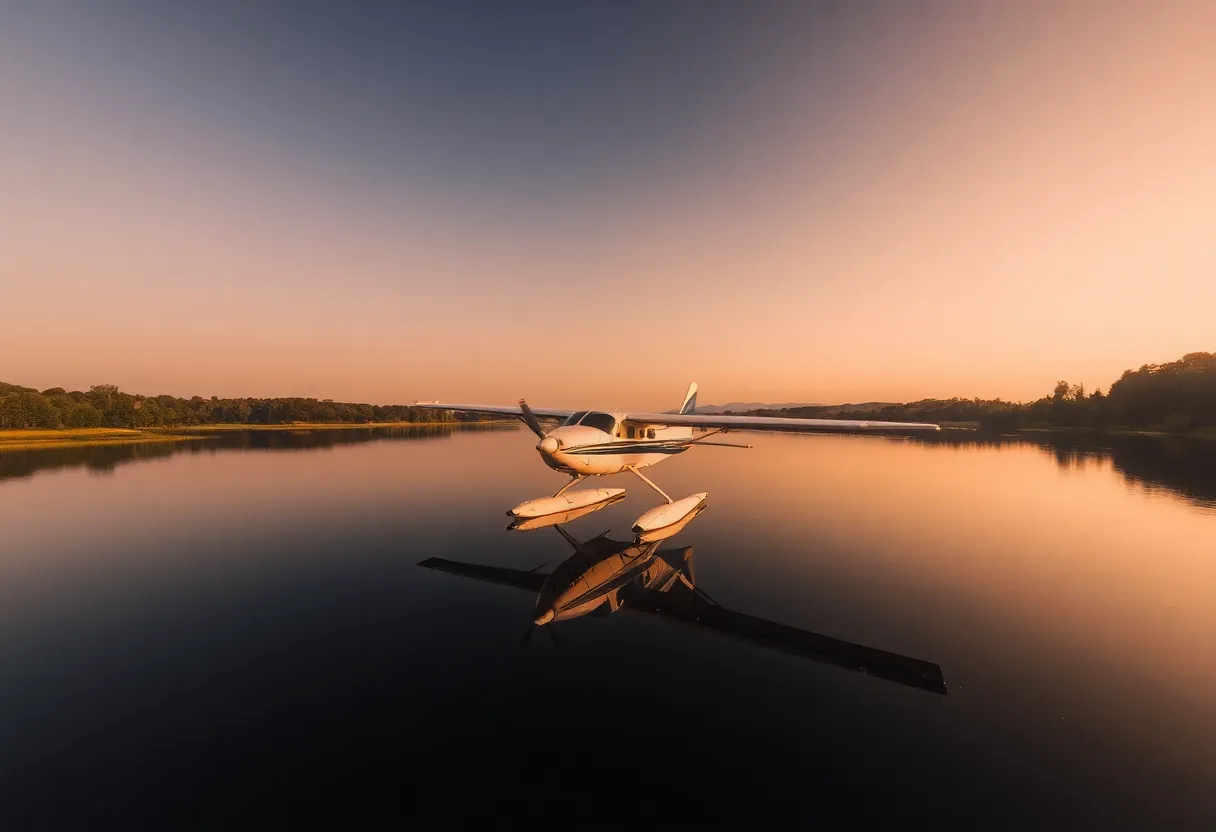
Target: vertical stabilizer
x,y
690,400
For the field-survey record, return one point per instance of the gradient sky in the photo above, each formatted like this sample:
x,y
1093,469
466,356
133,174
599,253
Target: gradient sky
x,y
592,204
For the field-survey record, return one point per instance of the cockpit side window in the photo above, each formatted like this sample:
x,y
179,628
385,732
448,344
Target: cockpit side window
x,y
573,418
600,421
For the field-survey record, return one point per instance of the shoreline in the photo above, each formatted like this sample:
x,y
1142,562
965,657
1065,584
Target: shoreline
x,y
36,438
1193,433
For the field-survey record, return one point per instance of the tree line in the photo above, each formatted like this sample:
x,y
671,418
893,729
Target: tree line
x,y
104,405
1177,396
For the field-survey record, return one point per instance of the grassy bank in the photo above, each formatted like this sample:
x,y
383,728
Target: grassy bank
x,y
22,440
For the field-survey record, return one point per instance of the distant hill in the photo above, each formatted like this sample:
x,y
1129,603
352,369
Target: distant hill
x,y
747,407
741,407
860,406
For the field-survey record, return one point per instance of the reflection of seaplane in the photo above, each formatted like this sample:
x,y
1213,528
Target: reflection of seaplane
x,y
596,443
604,575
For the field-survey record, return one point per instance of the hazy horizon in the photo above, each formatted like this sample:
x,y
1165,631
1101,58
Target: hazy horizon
x,y
598,203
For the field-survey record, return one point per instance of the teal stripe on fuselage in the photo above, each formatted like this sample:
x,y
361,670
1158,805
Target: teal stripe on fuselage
x,y
626,448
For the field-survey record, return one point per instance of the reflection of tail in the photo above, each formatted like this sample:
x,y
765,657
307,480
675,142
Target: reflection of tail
x,y
690,399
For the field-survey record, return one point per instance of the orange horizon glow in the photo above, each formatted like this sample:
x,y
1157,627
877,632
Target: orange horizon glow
x,y
990,202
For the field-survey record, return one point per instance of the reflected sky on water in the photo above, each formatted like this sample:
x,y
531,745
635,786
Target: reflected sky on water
x,y
237,625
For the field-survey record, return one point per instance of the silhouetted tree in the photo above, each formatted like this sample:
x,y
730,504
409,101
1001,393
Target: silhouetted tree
x,y
1174,396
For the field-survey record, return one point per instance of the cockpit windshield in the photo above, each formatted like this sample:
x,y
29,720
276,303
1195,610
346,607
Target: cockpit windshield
x,y
573,418
599,421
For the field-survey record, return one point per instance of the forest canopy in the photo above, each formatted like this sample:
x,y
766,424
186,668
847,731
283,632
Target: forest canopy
x,y
104,405
1177,396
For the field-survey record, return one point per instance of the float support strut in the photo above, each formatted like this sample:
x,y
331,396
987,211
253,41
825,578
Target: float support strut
x,y
573,482
648,482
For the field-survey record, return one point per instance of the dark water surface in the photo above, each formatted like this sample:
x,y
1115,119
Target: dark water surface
x,y
235,629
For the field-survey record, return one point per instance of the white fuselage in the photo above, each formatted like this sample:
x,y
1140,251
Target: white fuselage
x,y
582,449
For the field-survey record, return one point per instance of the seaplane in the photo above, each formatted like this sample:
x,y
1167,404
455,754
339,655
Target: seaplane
x,y
604,576
598,443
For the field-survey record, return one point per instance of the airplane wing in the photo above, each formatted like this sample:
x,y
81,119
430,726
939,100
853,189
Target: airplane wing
x,y
773,423
518,578
497,410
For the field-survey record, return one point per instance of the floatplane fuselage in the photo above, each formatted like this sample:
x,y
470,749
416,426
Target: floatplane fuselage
x,y
594,443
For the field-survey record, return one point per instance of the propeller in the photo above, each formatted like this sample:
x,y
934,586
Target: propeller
x,y
547,444
530,419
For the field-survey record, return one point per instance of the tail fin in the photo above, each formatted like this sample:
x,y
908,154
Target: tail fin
x,y
690,400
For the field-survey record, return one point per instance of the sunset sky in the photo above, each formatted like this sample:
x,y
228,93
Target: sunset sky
x,y
595,203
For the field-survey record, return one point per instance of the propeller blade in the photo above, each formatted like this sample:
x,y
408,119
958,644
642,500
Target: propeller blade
x,y
530,419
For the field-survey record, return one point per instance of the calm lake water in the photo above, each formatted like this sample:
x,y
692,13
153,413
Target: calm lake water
x,y
202,633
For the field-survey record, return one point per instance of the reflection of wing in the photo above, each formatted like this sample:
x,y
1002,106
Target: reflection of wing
x,y
666,601
873,662
497,410
774,423
517,578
